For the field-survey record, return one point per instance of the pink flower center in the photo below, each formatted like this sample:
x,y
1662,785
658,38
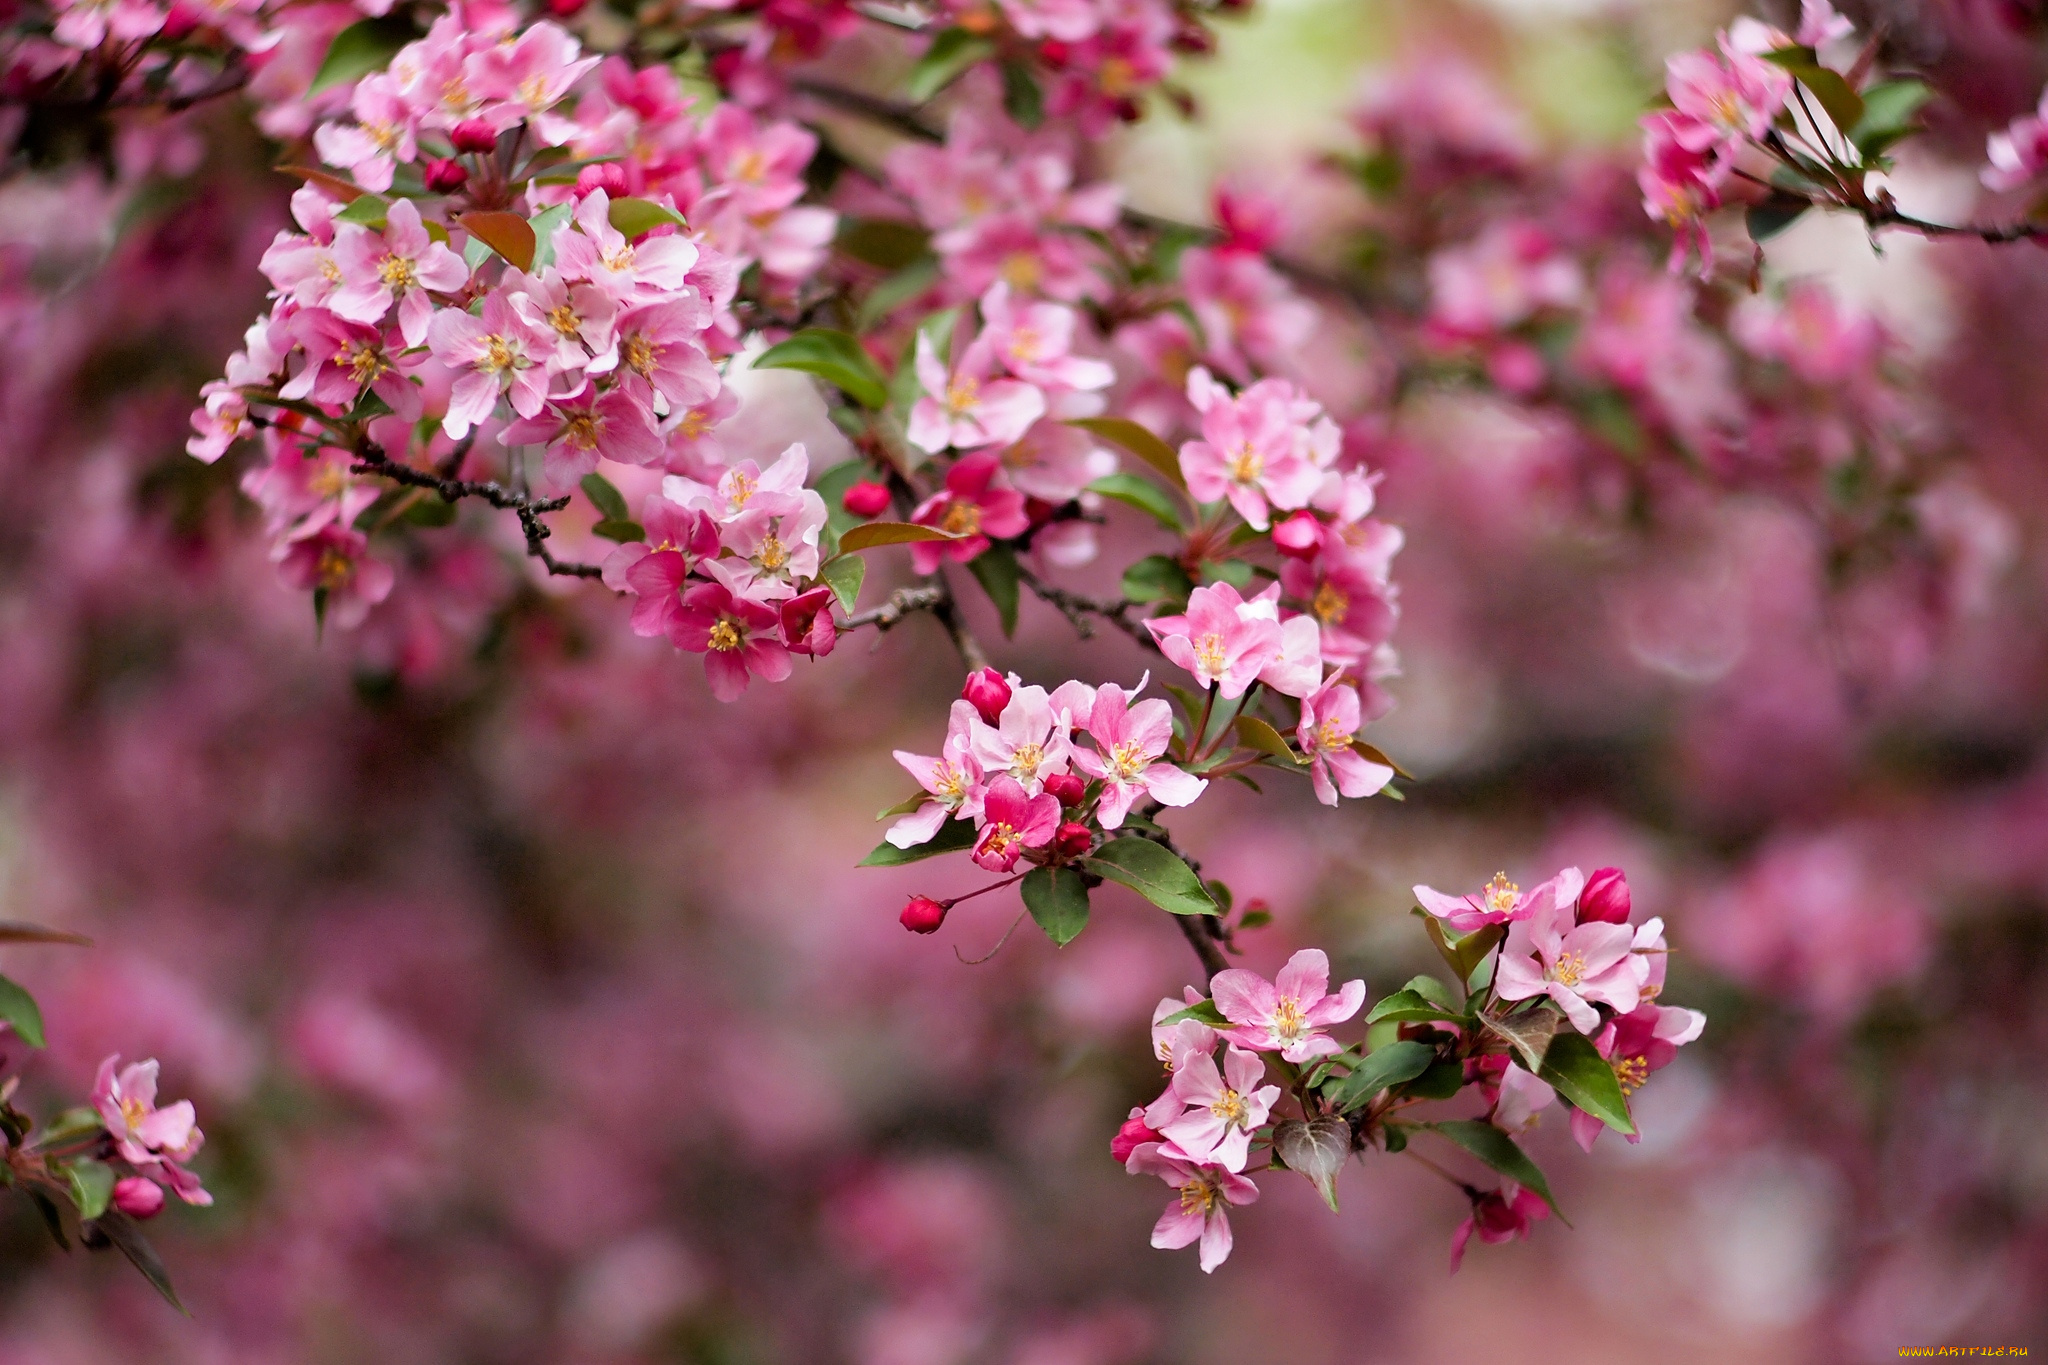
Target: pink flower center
x,y
1197,1196
962,518
132,1110
962,395
1129,759
1631,1072
498,355
1024,761
772,555
1288,1020
363,360
1568,968
1247,464
1501,894
1209,653
1230,1107
1331,735
725,636
638,353
582,429
334,570
398,273
741,489
1331,604
564,320
999,840
618,258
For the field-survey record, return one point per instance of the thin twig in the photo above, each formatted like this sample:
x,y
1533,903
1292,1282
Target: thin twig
x,y
1079,607
977,961
371,459
901,603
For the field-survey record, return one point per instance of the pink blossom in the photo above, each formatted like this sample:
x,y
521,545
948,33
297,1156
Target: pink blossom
x,y
1013,821
808,626
1605,897
1030,740
738,637
1520,1100
1733,93
88,23
1498,1216
1068,21
1131,740
1646,1039
341,359
127,1105
1251,316
969,408
1034,341
1132,1135
138,1196
678,538
1055,463
759,168
1504,277
774,546
399,265
1500,901
1223,1107
2016,156
585,427
1288,1014
661,350
746,486
590,248
952,779
382,136
581,317
1680,181
495,353
1201,1212
1216,641
335,562
522,80
1267,446
1174,1044
973,507
1329,725
1296,668
1577,965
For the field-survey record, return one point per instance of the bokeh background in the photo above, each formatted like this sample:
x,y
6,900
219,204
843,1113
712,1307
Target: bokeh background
x,y
535,1011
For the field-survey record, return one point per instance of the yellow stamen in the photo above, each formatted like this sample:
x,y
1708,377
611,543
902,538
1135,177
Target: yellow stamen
x,y
725,637
962,519
1331,604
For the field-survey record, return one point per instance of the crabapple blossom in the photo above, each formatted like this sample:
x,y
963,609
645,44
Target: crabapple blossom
x,y
1217,640
1222,1107
1130,740
1498,1216
1201,1212
1288,1014
974,508
1011,822
969,407
1577,966
1605,897
1500,901
1031,739
398,266
739,637
1329,725
1636,1044
1266,447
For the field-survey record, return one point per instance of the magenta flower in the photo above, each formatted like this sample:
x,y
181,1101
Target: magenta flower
x,y
1173,1044
1201,1212
398,266
1577,965
1498,1216
1296,668
1030,741
1012,821
524,79
340,358
1288,1014
88,23
653,570
1134,1134
335,560
142,1132
1216,641
972,506
1735,94
496,353
1500,901
1267,446
969,408
585,427
1130,740
1680,180
1644,1040
581,317
2017,155
738,637
1033,341
1223,1107
1329,724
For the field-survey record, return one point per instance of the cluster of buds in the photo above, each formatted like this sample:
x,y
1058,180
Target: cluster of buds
x,y
1553,999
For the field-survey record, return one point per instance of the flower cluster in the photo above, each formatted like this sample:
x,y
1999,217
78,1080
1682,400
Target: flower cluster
x,y
1556,997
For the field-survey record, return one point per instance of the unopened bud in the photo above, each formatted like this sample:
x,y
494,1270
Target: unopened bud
x,y
1131,1136
474,135
924,915
1299,536
1066,788
989,693
1054,53
608,176
1073,841
1605,899
444,175
566,9
866,499
138,1197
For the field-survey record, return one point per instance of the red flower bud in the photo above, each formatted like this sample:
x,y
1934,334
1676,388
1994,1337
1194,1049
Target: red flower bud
x,y
1129,1137
989,693
924,915
138,1197
1054,53
1039,511
1299,536
1605,898
1073,840
444,175
608,176
474,135
866,499
179,23
1066,788
566,9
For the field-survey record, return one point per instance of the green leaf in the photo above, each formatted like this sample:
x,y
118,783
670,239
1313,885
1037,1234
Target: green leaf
x,y
1154,872
1235,572
1372,753
1157,578
1530,1033
1408,1007
1202,1012
53,1222
1142,494
365,210
844,575
996,570
834,356
1891,110
624,532
637,217
1578,1072
1843,104
605,496
91,1183
16,931
1774,215
1058,901
954,836
1441,1081
1023,101
878,533
359,49
892,293
1254,733
1462,952
1318,1149
1139,441
944,62
885,243
1499,1151
544,224
1433,990
19,1009
1390,1065
72,1123
505,233
123,1232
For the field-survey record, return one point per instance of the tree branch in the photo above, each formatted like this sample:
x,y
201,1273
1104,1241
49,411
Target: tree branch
x,y
947,610
1884,216
371,459
1079,607
901,603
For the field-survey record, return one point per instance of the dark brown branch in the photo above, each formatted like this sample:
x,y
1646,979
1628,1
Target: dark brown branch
x,y
947,611
901,603
371,459
1079,608
1885,216
529,521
